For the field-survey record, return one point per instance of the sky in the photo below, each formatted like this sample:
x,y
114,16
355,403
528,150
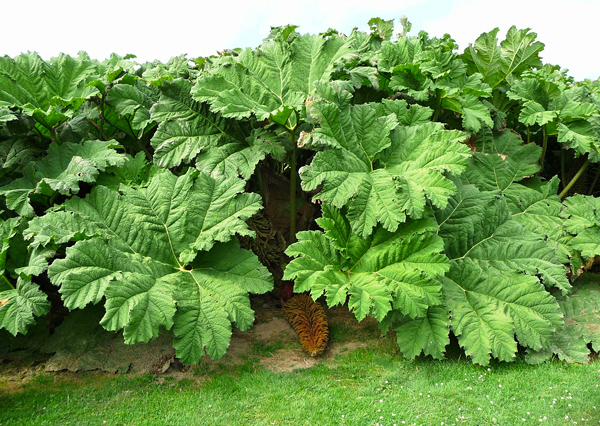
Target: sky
x,y
160,30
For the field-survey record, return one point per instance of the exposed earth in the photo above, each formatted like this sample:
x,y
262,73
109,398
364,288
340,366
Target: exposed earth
x,y
80,344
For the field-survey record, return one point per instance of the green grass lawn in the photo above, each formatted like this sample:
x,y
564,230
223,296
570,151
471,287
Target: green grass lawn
x,y
368,386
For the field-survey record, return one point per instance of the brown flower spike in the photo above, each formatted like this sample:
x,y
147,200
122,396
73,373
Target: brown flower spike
x,y
310,322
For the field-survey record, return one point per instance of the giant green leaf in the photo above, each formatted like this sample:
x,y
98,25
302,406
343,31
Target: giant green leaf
x,y
569,111
136,171
428,335
68,164
538,208
275,79
581,212
582,324
567,345
44,89
499,63
403,51
6,115
489,307
384,272
407,115
189,131
575,103
534,113
428,71
500,161
535,93
8,229
539,85
115,67
62,170
19,305
475,113
587,242
18,152
158,73
478,226
186,127
36,261
381,28
583,136
240,158
161,256
381,171
504,163
214,294
134,101
582,219
582,308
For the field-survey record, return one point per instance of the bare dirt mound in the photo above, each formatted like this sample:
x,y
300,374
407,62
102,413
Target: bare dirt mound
x,y
286,360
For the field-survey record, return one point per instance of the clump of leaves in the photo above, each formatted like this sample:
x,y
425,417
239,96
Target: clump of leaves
x,y
161,256
384,161
440,208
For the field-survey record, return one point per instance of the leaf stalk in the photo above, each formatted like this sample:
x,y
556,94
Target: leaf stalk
x,y
438,107
563,177
564,192
53,134
8,282
544,146
293,180
594,182
102,119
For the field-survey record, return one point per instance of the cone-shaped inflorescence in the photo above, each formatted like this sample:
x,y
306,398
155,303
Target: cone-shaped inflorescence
x,y
310,322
